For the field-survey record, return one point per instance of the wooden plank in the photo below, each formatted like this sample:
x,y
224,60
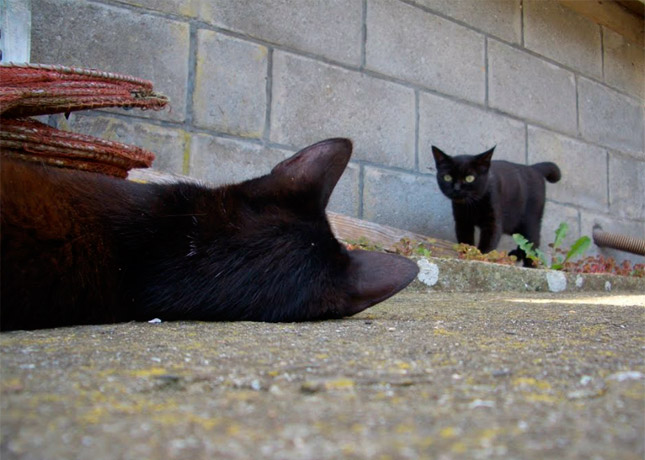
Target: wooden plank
x,y
351,229
611,15
635,6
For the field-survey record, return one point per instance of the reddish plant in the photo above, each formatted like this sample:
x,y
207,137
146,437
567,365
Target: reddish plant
x,y
601,264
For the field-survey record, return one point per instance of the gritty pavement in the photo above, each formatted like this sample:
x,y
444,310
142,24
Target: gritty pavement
x,y
423,375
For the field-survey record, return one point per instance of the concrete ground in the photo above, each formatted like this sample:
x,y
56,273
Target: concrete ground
x,y
423,375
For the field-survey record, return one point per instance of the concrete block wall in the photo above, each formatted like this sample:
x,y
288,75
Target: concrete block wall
x,y
253,81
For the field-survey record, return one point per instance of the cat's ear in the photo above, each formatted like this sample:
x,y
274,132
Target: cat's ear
x,y
375,276
439,156
486,156
317,167
483,160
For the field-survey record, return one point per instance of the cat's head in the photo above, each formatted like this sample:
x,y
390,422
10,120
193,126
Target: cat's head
x,y
291,265
462,178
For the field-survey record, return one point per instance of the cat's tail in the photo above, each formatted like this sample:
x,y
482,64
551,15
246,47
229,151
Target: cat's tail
x,y
549,170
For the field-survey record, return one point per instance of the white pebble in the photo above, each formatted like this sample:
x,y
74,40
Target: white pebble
x,y
626,375
556,280
428,272
481,403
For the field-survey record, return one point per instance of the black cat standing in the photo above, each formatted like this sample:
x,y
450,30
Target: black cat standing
x,y
83,248
496,196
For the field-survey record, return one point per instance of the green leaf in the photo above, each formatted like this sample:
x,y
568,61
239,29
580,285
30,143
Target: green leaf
x,y
578,248
560,233
523,243
556,262
542,257
527,247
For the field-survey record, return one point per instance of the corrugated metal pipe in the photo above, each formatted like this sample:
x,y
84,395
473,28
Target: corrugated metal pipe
x,y
617,241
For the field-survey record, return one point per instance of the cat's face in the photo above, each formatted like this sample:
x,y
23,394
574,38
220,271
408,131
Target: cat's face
x,y
462,178
291,265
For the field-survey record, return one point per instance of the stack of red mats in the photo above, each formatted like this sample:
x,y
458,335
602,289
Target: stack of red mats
x,y
27,90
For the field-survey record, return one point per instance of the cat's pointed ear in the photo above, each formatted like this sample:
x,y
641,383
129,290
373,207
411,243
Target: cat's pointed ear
x,y
375,276
439,155
482,161
317,167
486,156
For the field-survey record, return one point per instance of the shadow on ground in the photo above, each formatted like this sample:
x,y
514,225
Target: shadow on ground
x,y
518,375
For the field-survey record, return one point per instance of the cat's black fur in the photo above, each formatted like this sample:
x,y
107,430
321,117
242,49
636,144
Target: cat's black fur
x,y
504,197
82,248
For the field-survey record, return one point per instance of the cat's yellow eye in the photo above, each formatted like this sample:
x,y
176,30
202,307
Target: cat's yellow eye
x,y
447,178
470,178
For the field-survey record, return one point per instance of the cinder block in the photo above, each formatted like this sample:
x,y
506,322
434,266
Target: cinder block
x,y
626,187
612,224
230,85
459,129
170,145
332,28
500,18
407,43
226,161
583,167
554,215
85,34
312,101
188,8
506,242
561,34
624,64
610,118
407,201
531,88
222,161
345,198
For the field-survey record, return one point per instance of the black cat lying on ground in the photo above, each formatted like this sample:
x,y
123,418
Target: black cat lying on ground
x,y
82,248
496,196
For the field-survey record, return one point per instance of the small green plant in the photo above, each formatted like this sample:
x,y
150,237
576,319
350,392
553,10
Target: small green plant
x,y
560,256
409,247
364,244
536,255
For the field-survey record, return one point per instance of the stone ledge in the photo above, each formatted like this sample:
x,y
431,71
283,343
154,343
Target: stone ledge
x,y
455,275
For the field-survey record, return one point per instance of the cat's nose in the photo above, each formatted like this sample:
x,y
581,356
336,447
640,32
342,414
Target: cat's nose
x,y
457,186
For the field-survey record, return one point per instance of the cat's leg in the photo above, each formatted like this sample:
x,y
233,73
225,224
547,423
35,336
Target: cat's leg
x,y
521,256
519,252
531,231
489,238
465,232
464,225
